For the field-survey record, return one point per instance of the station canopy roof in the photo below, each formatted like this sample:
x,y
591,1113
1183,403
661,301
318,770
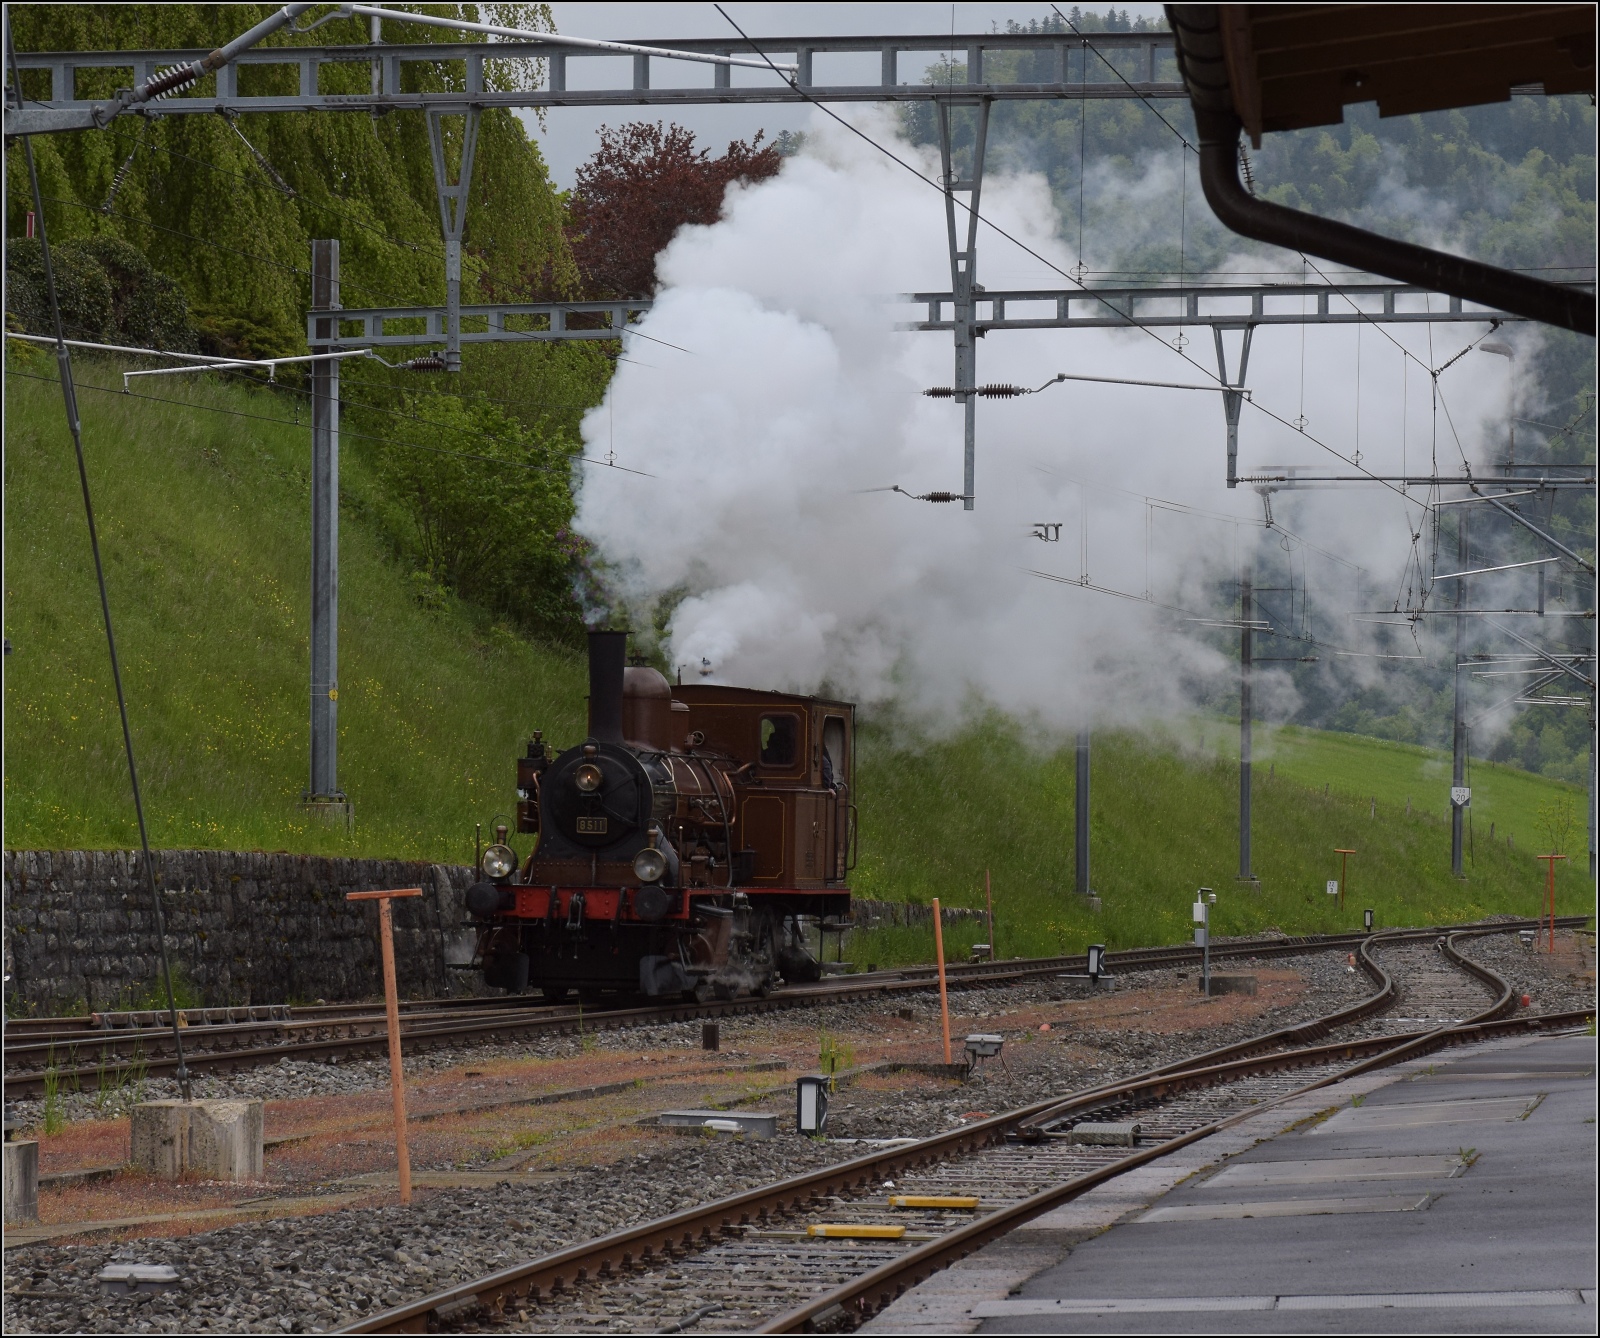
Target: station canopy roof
x,y
1293,66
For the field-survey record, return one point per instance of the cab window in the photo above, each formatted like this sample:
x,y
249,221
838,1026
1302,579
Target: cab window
x,y
780,737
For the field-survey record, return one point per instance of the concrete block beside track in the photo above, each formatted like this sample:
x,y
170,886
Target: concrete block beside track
x,y
1230,984
217,1139
22,1181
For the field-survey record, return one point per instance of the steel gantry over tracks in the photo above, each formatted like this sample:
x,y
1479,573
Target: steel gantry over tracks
x,y
981,70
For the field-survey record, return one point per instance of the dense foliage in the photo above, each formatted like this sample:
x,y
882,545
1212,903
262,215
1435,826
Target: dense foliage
x,y
108,292
644,183
201,205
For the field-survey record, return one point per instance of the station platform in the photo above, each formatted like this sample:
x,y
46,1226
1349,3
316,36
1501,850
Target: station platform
x,y
1451,1194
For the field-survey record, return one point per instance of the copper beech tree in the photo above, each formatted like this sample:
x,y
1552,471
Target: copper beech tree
x,y
645,182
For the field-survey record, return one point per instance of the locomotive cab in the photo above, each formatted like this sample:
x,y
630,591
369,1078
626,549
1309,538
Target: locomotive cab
x,y
683,847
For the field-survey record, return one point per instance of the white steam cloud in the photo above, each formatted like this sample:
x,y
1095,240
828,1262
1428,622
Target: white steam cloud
x,y
794,396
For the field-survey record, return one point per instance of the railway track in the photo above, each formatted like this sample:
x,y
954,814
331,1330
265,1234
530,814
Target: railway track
x,y
753,1263
81,1055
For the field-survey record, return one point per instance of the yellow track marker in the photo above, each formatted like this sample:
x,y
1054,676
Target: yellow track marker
x,y
933,1201
858,1232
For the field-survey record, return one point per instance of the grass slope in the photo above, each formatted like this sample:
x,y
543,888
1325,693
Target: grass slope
x,y
1163,822
204,516
204,526
1511,802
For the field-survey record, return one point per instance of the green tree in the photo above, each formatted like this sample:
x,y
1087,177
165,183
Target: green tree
x,y
490,510
200,204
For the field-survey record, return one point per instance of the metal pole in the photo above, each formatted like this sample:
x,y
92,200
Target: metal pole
x,y
944,998
397,1077
1594,698
963,277
453,199
1232,400
1081,825
69,397
325,530
988,900
1592,741
391,1006
1205,948
1246,651
1458,765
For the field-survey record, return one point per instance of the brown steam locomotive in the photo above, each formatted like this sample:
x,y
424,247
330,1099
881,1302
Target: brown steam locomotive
x,y
686,847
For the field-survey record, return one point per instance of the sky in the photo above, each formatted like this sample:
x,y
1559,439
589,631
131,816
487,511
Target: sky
x,y
568,136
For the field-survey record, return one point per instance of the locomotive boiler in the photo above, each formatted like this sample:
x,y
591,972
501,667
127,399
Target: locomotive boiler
x,y
684,848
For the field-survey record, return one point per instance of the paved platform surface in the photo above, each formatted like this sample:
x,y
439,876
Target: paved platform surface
x,y
1454,1194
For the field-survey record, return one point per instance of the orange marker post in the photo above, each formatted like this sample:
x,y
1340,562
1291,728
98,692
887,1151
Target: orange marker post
x,y
391,1001
944,999
1344,867
988,897
1550,893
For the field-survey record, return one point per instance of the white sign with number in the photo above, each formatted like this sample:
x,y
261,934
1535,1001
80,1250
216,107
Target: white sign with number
x,y
1333,887
1460,796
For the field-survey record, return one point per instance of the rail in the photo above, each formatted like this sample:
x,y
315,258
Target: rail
x,y
666,1238
335,1032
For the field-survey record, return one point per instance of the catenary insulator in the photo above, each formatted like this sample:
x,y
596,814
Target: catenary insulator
x,y
939,393
171,81
1000,392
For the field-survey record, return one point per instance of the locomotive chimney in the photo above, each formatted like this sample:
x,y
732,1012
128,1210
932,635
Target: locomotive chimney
x,y
608,658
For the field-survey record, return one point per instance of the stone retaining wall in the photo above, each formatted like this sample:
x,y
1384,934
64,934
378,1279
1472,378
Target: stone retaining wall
x,y
868,913
242,927
246,927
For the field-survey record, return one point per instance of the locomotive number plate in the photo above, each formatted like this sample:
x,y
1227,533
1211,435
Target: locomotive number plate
x,y
592,826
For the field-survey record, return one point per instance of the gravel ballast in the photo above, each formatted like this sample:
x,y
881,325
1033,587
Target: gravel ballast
x,y
315,1273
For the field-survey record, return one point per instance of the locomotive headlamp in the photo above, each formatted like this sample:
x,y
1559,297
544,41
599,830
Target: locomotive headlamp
x,y
649,865
588,777
498,861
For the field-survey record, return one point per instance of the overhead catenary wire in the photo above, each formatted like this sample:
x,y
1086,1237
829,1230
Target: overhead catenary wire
x,y
75,427
1006,392
347,432
243,368
1023,246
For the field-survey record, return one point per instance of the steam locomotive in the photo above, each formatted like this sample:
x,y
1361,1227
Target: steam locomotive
x,y
685,848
